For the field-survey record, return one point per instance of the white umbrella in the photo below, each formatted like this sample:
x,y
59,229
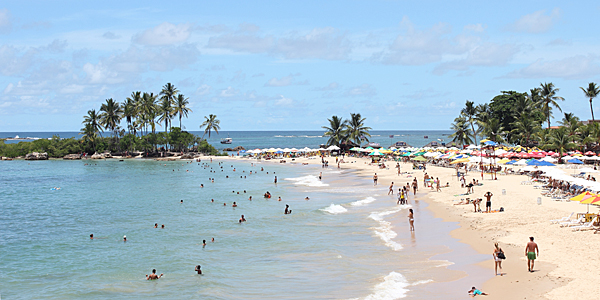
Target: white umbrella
x,y
333,148
521,162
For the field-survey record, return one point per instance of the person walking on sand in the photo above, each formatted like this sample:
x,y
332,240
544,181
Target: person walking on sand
x,y
391,190
530,252
415,186
488,202
438,189
375,179
411,219
498,257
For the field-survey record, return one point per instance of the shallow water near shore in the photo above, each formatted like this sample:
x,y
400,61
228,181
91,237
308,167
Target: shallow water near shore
x,y
350,240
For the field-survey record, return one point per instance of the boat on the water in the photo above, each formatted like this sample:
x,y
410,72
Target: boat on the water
x,y
226,140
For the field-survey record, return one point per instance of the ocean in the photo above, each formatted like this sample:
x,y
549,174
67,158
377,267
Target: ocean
x,y
284,139
349,241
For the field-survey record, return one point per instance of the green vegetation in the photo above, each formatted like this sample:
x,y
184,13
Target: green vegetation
x,y
518,118
141,113
342,131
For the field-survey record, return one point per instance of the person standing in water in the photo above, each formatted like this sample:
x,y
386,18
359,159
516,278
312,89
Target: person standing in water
x,y
153,276
375,179
275,180
287,210
411,219
320,175
391,189
197,270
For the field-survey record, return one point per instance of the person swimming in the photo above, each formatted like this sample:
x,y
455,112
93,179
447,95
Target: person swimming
x,y
287,210
234,204
91,236
242,219
153,276
197,270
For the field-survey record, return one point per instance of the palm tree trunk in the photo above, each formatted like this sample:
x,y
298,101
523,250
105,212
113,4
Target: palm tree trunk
x,y
474,133
592,110
182,127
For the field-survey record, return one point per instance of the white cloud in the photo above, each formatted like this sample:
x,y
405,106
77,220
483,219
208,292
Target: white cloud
x,y
560,42
228,92
109,35
8,88
284,81
419,47
320,43
164,34
242,43
5,21
536,22
283,101
487,54
475,27
363,90
574,67
330,87
203,90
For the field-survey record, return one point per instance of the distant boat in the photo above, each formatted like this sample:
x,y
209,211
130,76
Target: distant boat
x,y
426,137
226,140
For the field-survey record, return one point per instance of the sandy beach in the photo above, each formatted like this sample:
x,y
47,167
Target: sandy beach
x,y
566,267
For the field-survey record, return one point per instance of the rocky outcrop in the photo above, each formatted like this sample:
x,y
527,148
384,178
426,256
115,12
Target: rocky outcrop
x,y
166,159
36,156
238,148
97,156
227,149
72,156
188,156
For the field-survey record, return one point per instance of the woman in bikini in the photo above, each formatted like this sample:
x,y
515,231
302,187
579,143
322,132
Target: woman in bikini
x,y
498,257
411,219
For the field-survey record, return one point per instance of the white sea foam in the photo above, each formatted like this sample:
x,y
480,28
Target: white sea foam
x,y
394,286
308,180
384,230
363,201
334,209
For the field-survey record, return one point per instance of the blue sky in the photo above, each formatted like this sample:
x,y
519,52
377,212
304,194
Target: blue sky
x,y
283,65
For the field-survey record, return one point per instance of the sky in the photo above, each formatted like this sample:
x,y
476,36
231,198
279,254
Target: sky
x,y
291,65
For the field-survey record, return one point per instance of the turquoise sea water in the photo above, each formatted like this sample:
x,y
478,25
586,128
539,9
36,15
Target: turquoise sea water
x,y
340,244
283,139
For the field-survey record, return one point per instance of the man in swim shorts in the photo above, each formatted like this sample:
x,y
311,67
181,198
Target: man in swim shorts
x,y
375,179
153,276
530,252
488,202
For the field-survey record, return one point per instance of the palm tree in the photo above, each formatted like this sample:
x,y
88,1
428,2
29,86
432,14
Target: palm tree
x,y
111,115
165,112
559,140
89,134
460,134
525,128
129,112
147,111
493,130
571,122
549,98
181,108
355,129
335,131
169,92
93,119
210,123
591,92
469,112
134,102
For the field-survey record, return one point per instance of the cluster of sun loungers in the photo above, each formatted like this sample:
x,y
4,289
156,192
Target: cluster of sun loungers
x,y
576,224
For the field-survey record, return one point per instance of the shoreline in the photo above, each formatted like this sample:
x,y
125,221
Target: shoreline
x,y
549,281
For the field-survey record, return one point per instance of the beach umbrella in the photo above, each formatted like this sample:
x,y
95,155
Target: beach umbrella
x,y
590,153
355,149
419,158
375,153
591,200
503,161
575,161
460,160
333,147
582,196
279,151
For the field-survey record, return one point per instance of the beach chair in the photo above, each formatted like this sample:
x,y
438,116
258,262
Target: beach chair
x,y
563,219
572,222
586,226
